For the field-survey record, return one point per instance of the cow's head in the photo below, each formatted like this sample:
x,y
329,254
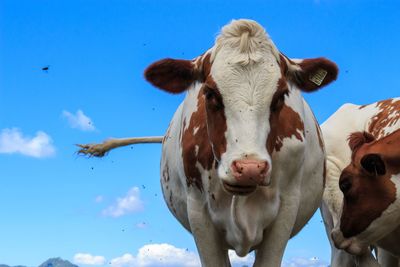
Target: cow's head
x,y
371,186
245,83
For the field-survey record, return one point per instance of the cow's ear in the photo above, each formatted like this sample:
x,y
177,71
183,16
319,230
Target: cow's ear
x,y
171,75
311,74
373,164
357,139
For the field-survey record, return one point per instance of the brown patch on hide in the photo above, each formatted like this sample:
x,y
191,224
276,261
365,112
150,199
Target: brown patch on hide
x,y
216,120
203,66
206,67
196,139
284,121
388,115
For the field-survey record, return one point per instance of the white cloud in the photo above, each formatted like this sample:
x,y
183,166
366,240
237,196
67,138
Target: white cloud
x,y
303,262
13,141
88,259
154,255
128,204
79,120
126,260
241,261
157,255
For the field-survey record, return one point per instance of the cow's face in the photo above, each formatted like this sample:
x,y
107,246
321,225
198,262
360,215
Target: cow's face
x,y
370,185
245,82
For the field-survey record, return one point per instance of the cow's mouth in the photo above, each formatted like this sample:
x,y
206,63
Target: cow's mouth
x,y
239,189
350,245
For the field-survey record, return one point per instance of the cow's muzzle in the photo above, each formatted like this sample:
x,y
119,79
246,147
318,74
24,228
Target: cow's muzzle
x,y
248,175
350,245
250,172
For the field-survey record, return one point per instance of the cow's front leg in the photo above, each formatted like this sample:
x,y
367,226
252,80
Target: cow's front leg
x,y
208,239
270,252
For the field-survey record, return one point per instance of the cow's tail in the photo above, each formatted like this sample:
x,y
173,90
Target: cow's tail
x,y
99,150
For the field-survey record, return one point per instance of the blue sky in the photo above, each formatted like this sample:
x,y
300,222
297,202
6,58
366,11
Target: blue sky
x,y
110,211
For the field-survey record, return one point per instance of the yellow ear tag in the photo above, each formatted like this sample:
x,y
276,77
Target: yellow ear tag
x,y
318,76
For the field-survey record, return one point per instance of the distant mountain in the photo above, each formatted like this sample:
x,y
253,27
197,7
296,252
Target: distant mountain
x,y
3,265
53,262
57,262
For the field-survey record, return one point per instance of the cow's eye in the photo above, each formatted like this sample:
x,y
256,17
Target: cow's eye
x,y
345,185
213,98
209,94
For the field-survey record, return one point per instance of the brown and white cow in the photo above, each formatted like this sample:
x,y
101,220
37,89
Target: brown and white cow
x,y
361,154
242,163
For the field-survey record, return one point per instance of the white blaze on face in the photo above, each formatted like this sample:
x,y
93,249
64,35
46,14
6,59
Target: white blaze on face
x,y
246,71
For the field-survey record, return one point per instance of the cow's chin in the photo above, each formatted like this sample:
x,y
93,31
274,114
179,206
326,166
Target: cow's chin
x,y
350,245
241,190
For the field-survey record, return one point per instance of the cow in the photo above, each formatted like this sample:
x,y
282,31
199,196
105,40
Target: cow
x,y
349,129
242,162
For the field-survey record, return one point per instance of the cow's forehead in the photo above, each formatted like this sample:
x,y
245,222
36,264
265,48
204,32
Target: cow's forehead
x,y
252,83
245,60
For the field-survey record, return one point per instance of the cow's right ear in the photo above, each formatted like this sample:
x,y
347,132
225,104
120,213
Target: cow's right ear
x,y
310,74
172,75
357,139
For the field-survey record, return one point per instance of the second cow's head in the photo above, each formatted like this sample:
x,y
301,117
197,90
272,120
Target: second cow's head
x,y
245,82
371,189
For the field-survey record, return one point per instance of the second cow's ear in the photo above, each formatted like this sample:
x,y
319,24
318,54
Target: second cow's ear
x,y
311,74
172,75
373,164
357,139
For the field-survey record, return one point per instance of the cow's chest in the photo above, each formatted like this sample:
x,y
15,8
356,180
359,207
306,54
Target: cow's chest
x,y
242,220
